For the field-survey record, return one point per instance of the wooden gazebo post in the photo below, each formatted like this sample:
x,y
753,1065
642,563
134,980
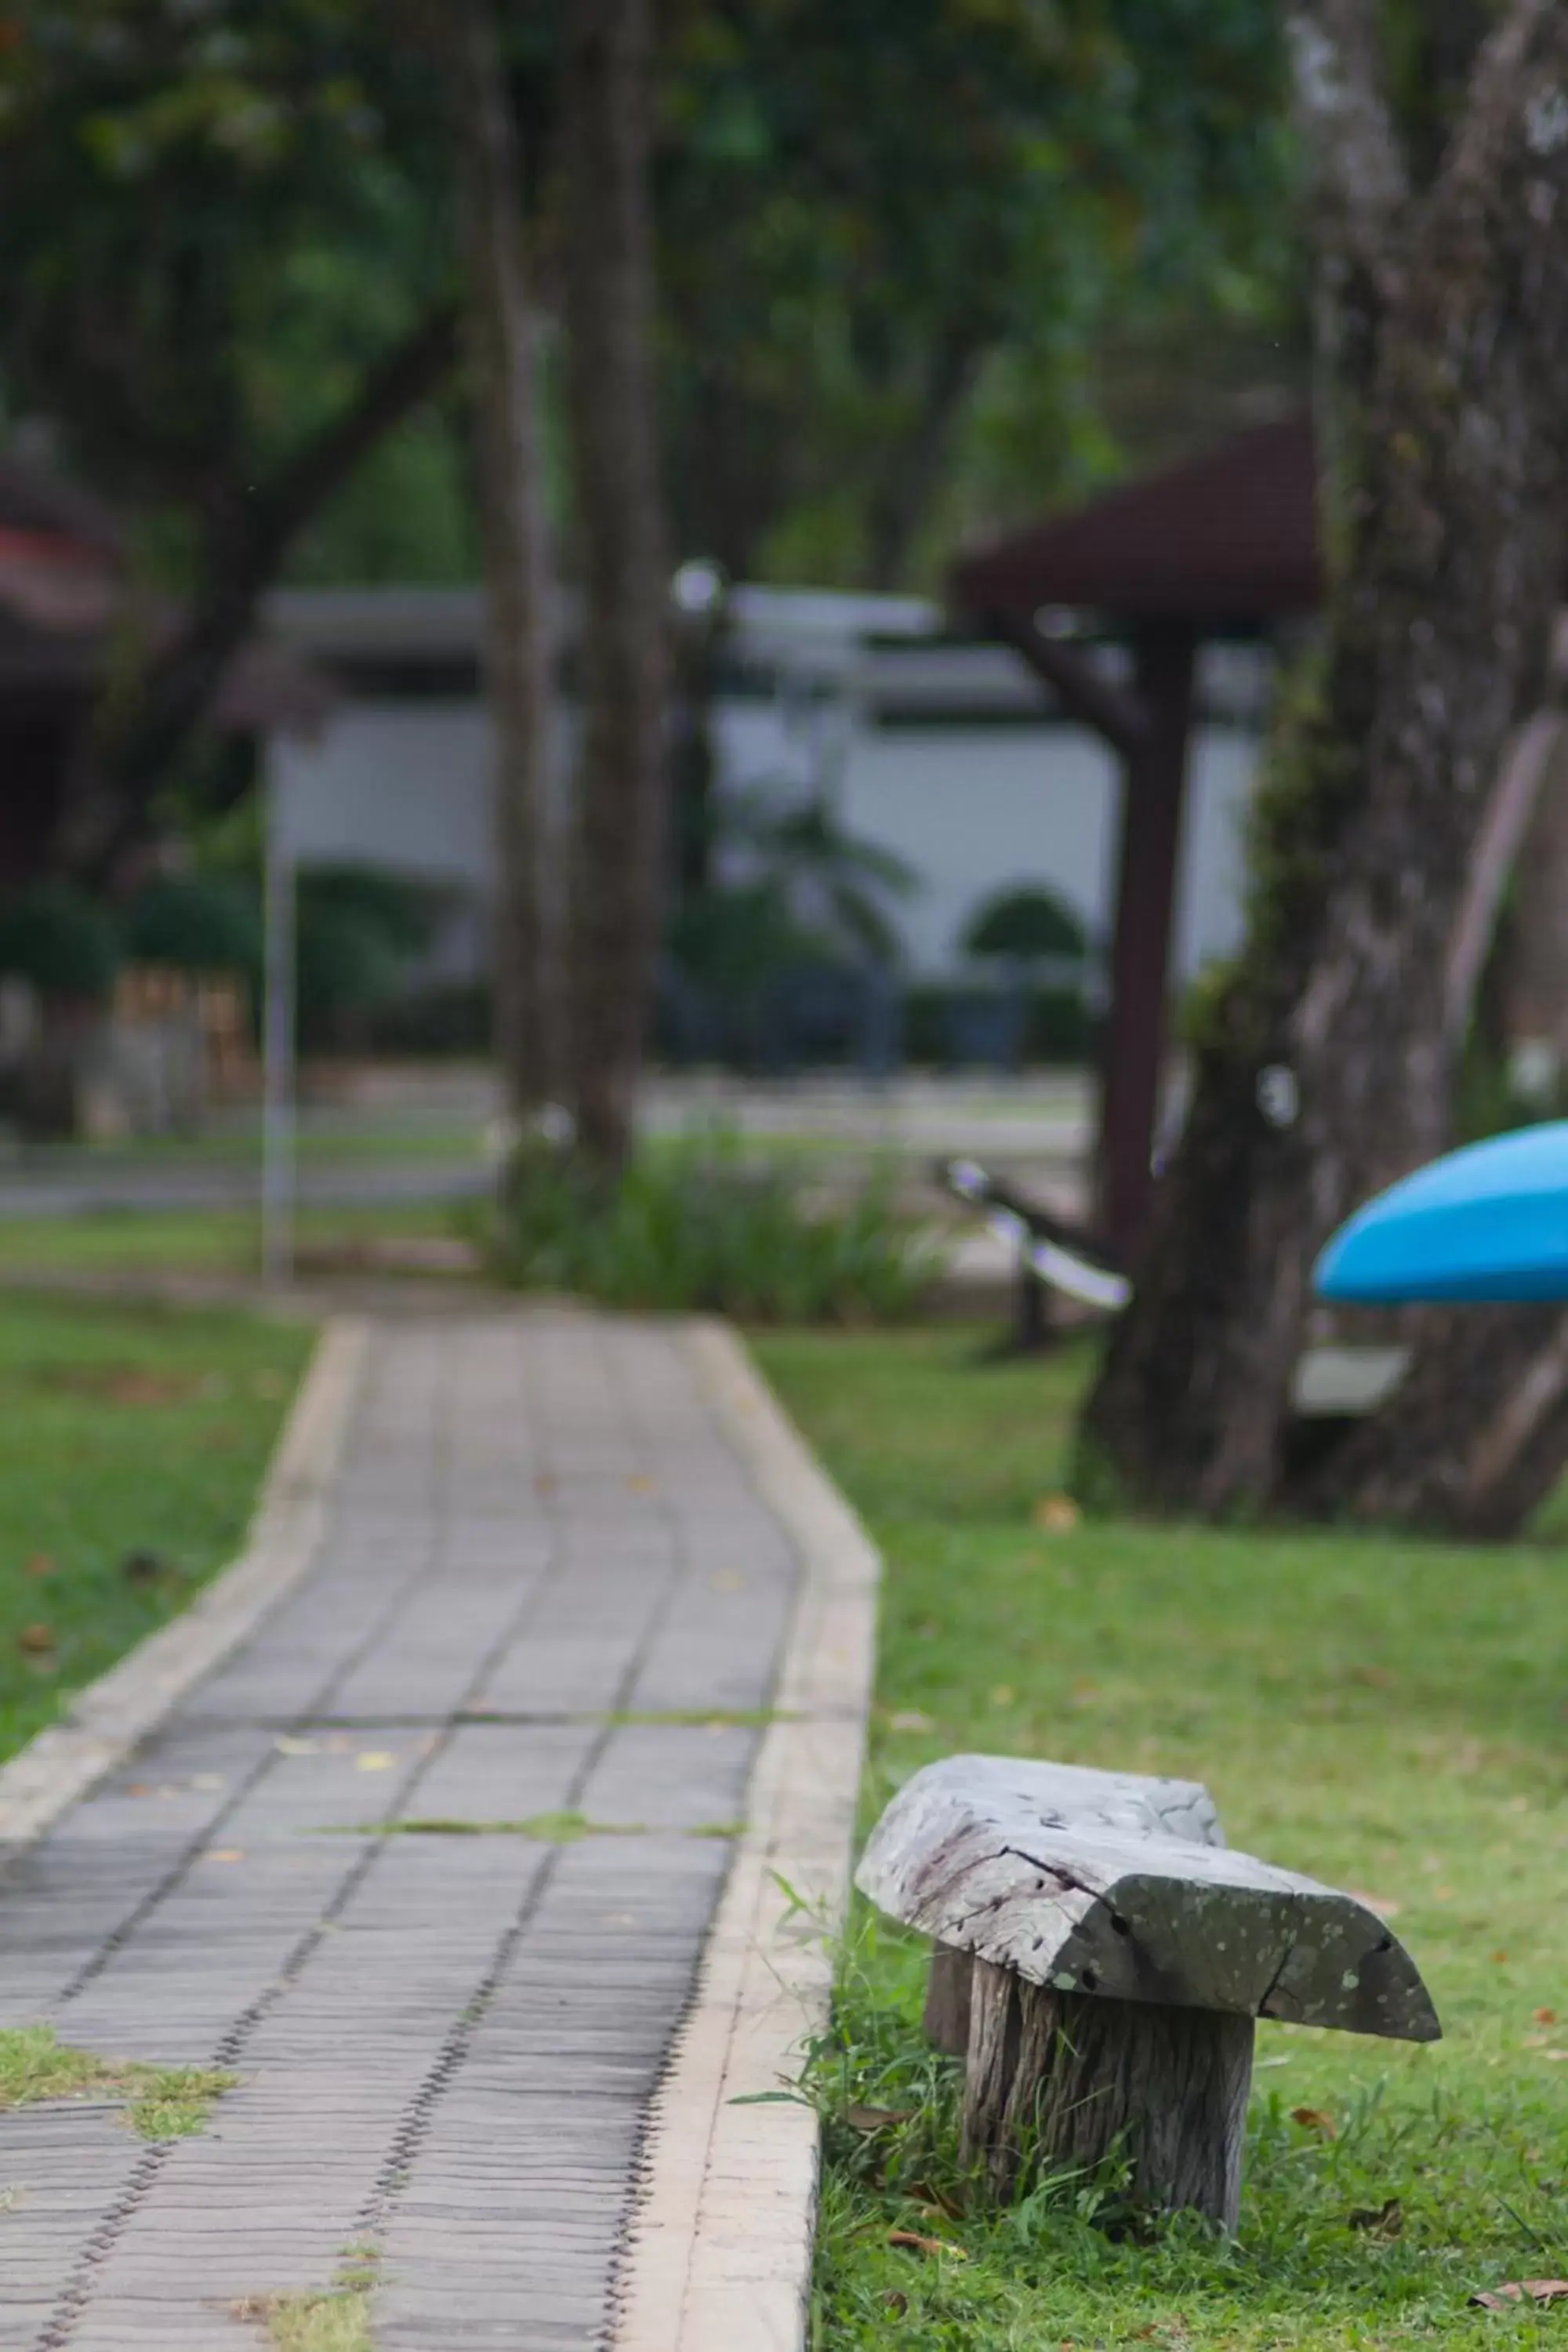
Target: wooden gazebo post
x,y
1148,725
1224,543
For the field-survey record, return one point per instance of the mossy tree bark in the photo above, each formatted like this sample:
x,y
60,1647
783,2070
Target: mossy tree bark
x,y
1325,1056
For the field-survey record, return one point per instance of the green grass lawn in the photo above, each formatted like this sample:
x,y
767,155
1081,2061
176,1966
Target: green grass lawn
x,y
133,1446
1391,1716
202,1240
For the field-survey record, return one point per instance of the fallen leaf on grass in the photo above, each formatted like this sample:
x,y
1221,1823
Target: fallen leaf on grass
x,y
1384,1904
1384,2221
1056,1515
918,2245
41,1564
1538,2291
1545,2017
896,2303
910,1718
876,2119
36,1639
1316,2119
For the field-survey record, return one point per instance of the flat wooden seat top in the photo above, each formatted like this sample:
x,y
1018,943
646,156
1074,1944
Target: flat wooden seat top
x,y
1121,1887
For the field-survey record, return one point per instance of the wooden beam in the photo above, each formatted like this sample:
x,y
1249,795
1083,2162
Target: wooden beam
x,y
1148,853
1111,709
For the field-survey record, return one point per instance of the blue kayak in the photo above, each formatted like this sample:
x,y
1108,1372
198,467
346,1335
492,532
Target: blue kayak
x,y
1489,1223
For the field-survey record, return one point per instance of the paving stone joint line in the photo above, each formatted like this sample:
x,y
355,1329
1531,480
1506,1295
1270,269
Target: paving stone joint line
x,y
549,1586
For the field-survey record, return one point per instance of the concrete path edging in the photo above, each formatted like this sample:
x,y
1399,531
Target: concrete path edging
x,y
114,1713
720,2244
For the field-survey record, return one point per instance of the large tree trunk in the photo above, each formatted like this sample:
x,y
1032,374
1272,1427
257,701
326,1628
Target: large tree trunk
x,y
618,871
1533,980
1474,1439
515,539
1325,1063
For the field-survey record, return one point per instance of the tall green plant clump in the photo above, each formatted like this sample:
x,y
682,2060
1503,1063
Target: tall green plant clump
x,y
695,1226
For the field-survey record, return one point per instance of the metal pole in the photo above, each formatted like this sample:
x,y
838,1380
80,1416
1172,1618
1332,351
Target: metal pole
x,y
277,1119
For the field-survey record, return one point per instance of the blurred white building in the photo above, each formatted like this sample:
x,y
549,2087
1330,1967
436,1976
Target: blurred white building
x,y
952,755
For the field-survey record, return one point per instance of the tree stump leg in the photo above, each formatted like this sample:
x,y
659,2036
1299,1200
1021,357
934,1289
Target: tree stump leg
x,y
947,2000
1064,2080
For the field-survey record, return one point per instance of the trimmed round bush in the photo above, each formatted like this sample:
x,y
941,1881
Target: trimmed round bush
x,y
1025,925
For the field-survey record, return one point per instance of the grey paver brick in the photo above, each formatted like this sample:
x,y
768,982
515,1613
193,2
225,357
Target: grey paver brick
x,y
445,2041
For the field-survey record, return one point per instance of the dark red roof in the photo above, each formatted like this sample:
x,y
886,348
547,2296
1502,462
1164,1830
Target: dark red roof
x,y
1228,536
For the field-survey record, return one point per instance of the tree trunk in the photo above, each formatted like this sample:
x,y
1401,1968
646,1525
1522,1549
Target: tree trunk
x,y
1325,1063
1534,976
619,850
1474,1439
515,539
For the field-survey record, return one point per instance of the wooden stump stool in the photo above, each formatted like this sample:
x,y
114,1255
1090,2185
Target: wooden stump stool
x,y
1101,1957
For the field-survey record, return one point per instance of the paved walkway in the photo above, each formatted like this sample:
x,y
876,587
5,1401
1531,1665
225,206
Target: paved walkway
x,y
548,1589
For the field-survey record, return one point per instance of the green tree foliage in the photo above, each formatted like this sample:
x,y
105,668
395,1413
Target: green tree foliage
x,y
215,219
892,237
226,258
892,243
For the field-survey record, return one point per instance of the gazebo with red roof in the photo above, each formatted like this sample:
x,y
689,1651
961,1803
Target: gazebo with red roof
x,y
1224,545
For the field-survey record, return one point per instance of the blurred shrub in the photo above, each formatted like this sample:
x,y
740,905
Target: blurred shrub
x,y
63,941
361,932
1057,1025
695,1226
198,922
1024,925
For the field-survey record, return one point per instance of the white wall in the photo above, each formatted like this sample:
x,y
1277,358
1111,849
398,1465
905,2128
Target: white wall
x,y
406,785
402,784
977,810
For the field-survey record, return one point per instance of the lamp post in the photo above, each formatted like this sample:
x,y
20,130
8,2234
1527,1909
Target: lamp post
x,y
278,1124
